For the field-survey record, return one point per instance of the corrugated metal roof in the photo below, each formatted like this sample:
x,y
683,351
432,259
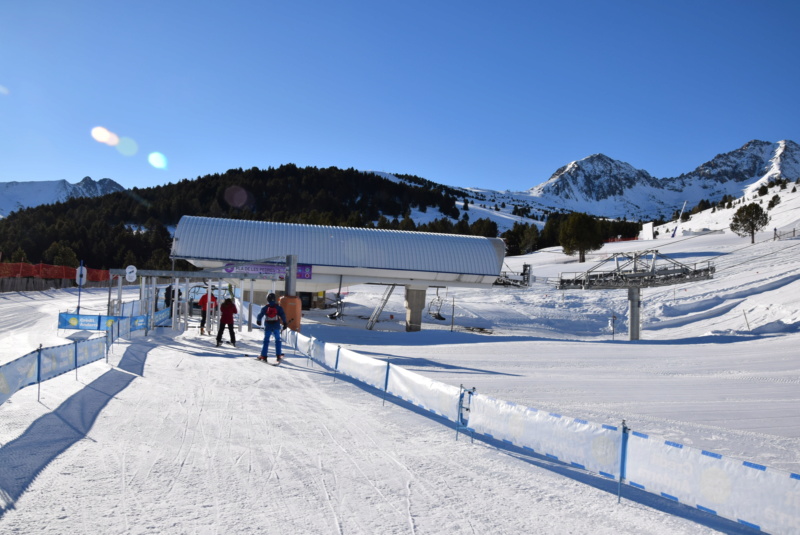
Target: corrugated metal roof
x,y
232,240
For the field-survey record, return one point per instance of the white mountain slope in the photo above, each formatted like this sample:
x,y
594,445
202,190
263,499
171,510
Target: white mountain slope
x,y
784,216
17,195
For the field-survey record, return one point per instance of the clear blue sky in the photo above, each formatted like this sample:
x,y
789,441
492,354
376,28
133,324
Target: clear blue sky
x,y
466,93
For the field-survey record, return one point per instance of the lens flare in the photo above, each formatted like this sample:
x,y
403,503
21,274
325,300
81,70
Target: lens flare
x,y
4,90
100,134
113,139
127,146
238,197
157,160
104,135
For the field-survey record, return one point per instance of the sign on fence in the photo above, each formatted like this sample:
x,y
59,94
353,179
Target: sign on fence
x,y
85,322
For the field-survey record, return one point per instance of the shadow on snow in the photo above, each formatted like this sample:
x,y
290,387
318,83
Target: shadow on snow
x,y
22,459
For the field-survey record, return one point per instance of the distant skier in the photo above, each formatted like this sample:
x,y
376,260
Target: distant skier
x,y
227,310
169,296
204,306
274,317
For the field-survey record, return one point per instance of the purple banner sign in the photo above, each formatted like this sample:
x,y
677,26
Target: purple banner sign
x,y
303,270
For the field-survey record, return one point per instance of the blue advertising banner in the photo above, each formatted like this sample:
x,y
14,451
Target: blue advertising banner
x,y
91,350
139,323
17,375
85,322
107,322
57,360
163,317
76,321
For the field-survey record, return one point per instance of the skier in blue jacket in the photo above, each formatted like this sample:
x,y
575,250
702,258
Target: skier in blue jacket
x,y
274,317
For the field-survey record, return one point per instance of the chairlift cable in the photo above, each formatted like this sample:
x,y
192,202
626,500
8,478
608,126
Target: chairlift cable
x,y
725,268
762,256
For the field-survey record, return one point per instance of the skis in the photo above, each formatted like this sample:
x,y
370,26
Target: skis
x,y
276,363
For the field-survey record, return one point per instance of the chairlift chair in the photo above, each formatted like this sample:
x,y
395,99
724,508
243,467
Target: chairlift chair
x,y
339,303
435,307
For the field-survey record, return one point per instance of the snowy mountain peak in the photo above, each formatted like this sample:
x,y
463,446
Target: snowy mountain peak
x,y
603,186
19,195
741,165
595,177
742,170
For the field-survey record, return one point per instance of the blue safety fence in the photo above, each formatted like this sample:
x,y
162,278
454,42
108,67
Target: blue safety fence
x,y
48,362
86,322
750,494
131,308
163,318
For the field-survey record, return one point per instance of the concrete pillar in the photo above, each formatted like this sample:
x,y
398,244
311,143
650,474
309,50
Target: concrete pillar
x,y
634,303
415,304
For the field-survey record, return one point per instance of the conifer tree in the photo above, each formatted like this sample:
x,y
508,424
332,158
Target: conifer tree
x,y
580,234
748,220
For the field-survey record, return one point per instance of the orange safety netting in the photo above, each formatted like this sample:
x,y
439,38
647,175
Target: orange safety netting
x,y
45,271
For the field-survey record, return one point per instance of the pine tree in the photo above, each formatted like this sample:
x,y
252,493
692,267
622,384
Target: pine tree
x,y
749,219
580,234
19,256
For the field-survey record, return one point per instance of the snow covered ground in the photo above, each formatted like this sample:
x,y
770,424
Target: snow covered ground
x,y
175,435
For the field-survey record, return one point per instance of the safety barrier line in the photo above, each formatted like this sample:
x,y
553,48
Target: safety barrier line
x,y
625,432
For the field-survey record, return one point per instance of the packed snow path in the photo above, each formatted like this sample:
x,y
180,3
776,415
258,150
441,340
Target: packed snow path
x,y
211,441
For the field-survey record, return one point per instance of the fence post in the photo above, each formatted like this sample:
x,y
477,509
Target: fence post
x,y
460,405
462,408
336,364
76,360
623,459
386,381
39,372
310,351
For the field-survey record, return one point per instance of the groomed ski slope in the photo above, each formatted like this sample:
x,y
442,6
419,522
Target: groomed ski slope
x,y
178,436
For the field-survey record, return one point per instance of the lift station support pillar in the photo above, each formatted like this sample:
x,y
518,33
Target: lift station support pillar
x,y
415,303
634,303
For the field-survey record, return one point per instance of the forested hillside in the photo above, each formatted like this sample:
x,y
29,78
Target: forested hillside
x,y
132,227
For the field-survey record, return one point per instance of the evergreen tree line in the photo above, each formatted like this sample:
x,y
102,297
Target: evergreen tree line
x,y
132,227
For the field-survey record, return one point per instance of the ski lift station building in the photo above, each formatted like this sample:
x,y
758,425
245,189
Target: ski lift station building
x,y
332,257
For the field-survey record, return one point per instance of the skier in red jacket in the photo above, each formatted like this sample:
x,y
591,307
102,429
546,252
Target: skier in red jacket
x,y
204,306
227,310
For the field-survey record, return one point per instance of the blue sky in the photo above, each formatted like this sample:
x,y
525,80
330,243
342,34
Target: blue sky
x,y
495,95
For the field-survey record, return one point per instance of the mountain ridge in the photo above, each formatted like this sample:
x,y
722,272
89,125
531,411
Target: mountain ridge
x,y
597,184
16,195
603,186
